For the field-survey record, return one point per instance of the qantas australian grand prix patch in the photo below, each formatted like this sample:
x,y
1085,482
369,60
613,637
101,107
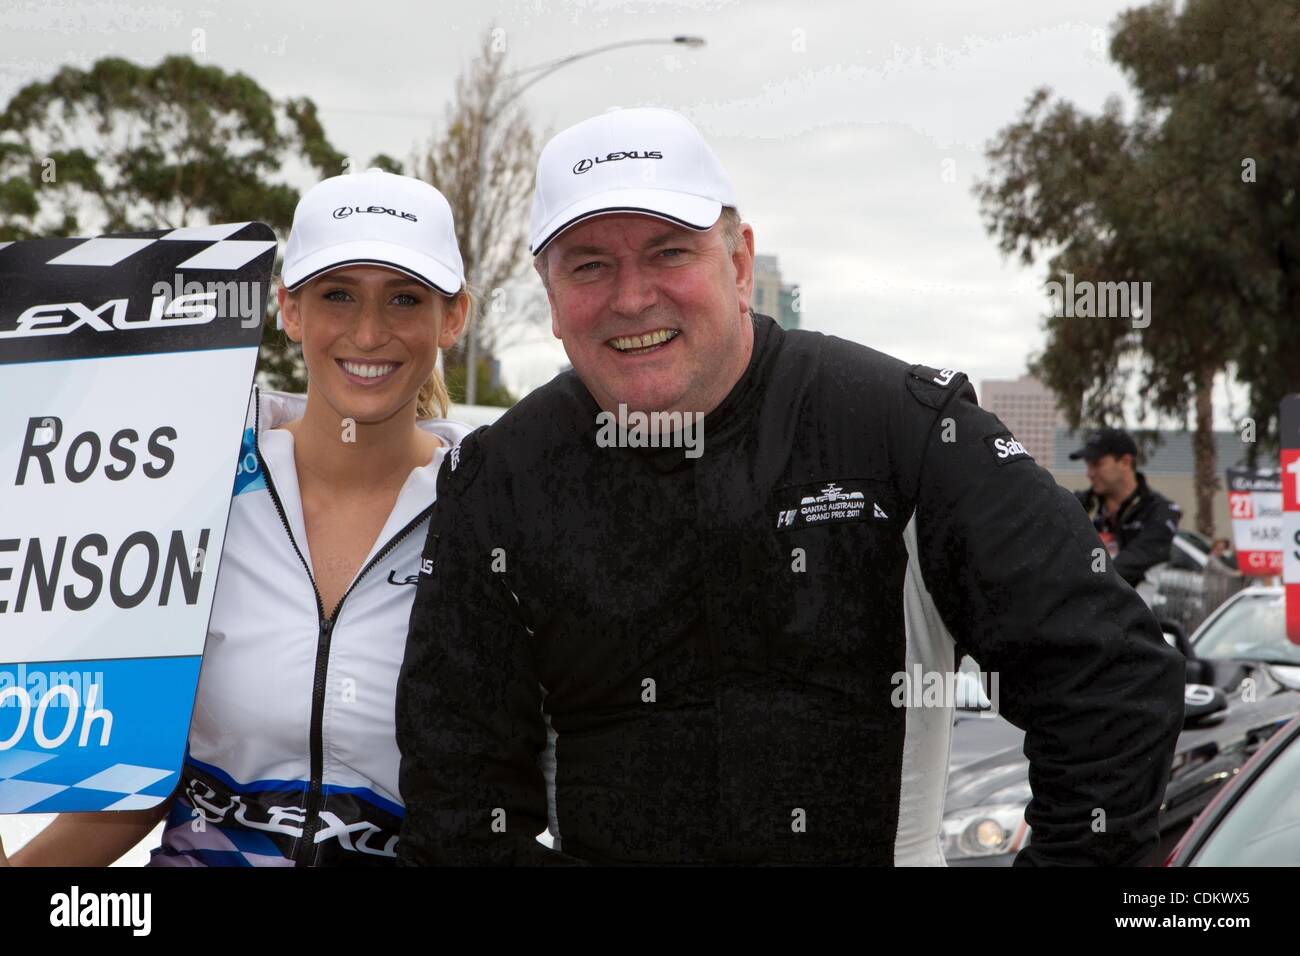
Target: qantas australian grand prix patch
x,y
823,503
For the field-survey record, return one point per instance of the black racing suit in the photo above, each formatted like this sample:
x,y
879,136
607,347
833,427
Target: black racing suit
x,y
1140,531
717,641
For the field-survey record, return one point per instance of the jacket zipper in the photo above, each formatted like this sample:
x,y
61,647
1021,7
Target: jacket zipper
x,y
305,852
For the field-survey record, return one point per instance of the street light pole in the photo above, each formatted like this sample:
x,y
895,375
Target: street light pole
x,y
542,70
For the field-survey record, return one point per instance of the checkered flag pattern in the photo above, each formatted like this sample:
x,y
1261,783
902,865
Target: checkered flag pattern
x,y
27,785
219,253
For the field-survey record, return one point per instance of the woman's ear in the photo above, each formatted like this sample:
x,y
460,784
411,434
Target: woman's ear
x,y
289,315
455,313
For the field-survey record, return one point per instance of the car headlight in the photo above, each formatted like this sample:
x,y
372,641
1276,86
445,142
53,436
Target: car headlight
x,y
985,831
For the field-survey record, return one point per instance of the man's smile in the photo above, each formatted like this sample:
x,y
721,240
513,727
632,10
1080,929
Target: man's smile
x,y
643,343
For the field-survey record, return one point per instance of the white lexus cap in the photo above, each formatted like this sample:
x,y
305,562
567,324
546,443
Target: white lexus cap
x,y
374,218
644,160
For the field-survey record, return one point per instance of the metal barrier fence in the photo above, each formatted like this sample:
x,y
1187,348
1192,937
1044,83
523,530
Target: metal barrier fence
x,y
1189,597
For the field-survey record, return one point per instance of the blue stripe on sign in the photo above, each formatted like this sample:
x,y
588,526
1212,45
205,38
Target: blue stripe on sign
x,y
14,762
76,799
162,788
248,473
134,737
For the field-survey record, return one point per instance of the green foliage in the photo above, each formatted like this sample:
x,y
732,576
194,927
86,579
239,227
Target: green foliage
x,y
387,163
122,147
488,394
1163,198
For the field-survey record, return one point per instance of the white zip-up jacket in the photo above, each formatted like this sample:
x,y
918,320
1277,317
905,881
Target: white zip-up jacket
x,y
292,758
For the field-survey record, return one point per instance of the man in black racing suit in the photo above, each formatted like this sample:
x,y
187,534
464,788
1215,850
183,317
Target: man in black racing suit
x,y
730,641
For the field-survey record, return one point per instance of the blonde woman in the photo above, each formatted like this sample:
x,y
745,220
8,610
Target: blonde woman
x,y
292,758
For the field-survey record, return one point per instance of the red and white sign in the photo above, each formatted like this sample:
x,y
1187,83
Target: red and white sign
x,y
1289,422
1255,504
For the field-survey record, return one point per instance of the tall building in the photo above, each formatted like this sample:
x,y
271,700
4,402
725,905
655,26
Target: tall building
x,y
772,296
1028,408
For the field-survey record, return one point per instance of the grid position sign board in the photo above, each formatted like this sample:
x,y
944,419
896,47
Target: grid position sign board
x,y
125,368
1255,504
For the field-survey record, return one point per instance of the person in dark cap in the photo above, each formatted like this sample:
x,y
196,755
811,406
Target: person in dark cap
x,y
1135,523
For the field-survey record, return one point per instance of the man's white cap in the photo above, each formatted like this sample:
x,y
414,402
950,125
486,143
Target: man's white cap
x,y
644,160
374,218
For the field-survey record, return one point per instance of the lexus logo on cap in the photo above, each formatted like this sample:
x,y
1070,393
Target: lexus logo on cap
x,y
344,211
582,165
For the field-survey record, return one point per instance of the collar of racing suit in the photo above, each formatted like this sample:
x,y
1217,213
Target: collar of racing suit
x,y
277,408
731,416
276,447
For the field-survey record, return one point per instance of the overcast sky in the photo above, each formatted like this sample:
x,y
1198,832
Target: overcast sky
x,y
834,119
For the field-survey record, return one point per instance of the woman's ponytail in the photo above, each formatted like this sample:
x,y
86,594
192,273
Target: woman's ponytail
x,y
433,400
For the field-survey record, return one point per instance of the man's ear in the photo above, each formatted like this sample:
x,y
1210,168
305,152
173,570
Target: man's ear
x,y
290,317
539,264
455,313
743,260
